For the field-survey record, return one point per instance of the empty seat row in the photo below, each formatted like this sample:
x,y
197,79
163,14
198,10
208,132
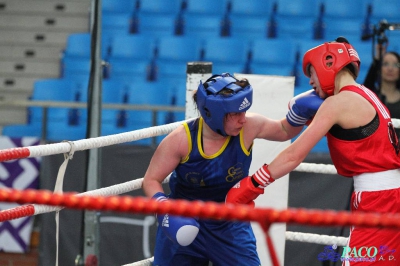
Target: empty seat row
x,y
258,18
136,57
206,26
73,121
312,8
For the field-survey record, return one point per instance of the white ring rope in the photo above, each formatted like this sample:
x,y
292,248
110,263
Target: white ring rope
x,y
316,168
106,191
98,142
317,239
291,236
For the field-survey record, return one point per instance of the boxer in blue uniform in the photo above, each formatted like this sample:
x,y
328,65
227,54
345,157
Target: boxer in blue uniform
x,y
207,156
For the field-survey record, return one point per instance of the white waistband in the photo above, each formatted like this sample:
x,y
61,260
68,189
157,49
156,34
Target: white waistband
x,y
377,181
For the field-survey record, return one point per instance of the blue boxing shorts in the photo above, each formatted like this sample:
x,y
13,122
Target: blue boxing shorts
x,y
221,242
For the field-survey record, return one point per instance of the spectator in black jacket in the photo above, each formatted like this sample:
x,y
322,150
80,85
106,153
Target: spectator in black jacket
x,y
385,81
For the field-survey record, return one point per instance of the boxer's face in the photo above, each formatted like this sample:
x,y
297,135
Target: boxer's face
x,y
234,122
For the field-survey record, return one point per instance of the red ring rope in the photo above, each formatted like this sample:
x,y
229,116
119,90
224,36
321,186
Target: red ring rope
x,y
196,208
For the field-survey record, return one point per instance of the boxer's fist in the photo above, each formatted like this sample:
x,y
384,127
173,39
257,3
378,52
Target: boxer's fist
x,y
249,188
303,107
180,230
244,192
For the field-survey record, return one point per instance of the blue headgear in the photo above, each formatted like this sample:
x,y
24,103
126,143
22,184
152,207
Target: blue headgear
x,y
213,105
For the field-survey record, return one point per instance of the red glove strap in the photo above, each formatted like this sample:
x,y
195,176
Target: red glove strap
x,y
263,177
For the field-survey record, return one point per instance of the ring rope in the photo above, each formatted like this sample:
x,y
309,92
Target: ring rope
x,y
117,189
291,236
209,210
85,144
50,149
316,238
98,142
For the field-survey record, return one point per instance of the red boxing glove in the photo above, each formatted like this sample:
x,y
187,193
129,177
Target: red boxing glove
x,y
244,192
249,188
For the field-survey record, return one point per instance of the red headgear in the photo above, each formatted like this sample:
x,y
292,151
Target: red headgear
x,y
328,59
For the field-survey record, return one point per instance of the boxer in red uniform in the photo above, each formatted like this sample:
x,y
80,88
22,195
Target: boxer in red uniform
x,y
363,145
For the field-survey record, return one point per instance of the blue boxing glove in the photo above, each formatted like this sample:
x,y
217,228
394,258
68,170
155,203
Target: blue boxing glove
x,y
303,107
180,230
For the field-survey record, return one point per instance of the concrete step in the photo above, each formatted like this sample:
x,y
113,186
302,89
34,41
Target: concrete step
x,y
30,52
44,23
43,7
29,69
16,87
7,94
33,37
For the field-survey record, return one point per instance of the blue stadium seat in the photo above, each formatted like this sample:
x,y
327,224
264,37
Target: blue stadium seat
x,y
364,50
133,46
178,49
347,27
340,9
389,10
362,74
130,54
128,69
273,52
75,67
207,7
119,6
394,41
249,27
69,123
297,8
116,23
156,25
160,6
251,8
78,45
170,71
62,118
226,50
151,93
295,27
113,121
202,26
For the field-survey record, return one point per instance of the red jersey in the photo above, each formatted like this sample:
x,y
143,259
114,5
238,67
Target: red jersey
x,y
368,149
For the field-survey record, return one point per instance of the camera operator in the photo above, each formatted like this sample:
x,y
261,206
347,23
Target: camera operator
x,y
384,74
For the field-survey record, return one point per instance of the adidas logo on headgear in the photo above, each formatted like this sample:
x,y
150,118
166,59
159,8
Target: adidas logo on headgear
x,y
244,104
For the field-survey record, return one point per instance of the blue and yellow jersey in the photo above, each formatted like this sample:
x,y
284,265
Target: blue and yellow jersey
x,y
209,177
